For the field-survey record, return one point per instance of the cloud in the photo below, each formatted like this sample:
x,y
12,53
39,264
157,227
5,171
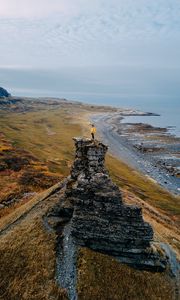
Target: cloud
x,y
43,8
34,8
52,33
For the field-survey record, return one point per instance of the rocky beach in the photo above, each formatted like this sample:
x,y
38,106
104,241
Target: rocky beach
x,y
154,151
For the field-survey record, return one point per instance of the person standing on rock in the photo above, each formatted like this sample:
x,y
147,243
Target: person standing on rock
x,y
93,131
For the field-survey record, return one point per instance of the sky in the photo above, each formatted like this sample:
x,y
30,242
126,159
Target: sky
x,y
115,46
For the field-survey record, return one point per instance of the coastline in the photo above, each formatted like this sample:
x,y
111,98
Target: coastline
x,y
130,144
153,151
46,127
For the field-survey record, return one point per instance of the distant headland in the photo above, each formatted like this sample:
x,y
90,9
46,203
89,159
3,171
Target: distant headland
x,y
4,93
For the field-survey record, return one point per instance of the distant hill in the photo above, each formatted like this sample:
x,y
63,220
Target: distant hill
x,y
4,93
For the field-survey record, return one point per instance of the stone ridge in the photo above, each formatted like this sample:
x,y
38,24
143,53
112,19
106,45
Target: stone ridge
x,y
98,218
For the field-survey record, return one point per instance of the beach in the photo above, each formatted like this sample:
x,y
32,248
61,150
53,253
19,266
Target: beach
x,y
154,151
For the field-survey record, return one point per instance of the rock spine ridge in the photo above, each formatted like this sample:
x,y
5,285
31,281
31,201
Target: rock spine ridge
x,y
93,208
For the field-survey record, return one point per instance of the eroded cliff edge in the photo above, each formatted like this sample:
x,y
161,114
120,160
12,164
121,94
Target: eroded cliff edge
x,y
91,213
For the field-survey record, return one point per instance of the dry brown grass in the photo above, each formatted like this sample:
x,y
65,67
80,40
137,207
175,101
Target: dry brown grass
x,y
102,277
19,213
27,258
34,159
21,173
32,135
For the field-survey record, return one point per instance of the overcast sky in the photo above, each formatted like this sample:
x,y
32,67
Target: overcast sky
x,y
54,33
136,40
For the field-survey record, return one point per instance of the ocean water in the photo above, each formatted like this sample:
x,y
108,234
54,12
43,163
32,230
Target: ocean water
x,y
169,114
115,87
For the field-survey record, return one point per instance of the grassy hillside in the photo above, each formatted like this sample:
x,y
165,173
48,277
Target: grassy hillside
x,y
102,277
28,260
27,253
143,187
27,248
36,151
47,135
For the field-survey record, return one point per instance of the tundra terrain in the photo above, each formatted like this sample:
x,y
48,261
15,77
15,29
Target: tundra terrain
x,y
36,153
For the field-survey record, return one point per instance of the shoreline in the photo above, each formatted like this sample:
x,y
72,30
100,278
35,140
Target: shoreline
x,y
125,142
141,146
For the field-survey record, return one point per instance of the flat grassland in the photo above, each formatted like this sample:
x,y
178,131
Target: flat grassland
x,y
27,250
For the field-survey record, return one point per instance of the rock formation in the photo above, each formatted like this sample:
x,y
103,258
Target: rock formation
x,y
93,209
4,93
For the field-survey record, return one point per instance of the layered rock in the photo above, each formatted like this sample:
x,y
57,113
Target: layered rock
x,y
92,207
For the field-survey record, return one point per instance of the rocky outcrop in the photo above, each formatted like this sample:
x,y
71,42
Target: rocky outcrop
x,y
4,93
97,218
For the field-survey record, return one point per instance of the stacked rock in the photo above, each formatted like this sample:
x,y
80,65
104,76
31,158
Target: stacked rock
x,y
100,219
89,158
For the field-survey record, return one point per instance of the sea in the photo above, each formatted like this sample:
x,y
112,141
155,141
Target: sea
x,y
168,110
89,90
